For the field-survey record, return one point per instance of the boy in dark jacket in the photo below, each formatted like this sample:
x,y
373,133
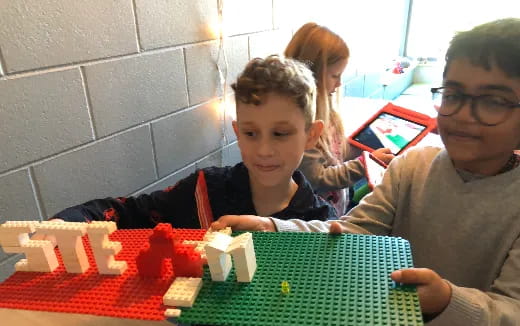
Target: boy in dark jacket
x,y
275,123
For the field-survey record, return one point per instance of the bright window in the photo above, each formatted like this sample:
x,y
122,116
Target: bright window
x,y
433,23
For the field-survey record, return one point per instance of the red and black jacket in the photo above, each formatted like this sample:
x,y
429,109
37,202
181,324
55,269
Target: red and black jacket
x,y
195,200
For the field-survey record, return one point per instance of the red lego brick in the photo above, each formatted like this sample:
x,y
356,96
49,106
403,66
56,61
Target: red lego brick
x,y
187,262
124,296
155,257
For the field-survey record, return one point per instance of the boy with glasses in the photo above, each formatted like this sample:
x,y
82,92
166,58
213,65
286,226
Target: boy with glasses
x,y
458,206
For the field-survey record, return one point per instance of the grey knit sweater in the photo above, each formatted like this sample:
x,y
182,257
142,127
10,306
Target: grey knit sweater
x,y
469,232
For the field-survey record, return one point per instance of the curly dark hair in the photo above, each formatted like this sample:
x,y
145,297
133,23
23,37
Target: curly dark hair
x,y
496,42
283,76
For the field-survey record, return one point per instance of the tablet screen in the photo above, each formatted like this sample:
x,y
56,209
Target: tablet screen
x,y
389,131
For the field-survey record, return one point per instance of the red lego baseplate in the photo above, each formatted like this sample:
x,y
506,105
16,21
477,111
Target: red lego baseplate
x,y
125,296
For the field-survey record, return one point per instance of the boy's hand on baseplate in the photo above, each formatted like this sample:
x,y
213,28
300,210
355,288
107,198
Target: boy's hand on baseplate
x,y
244,223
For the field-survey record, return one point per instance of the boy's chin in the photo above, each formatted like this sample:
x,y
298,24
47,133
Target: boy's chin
x,y
468,160
267,182
464,156
270,180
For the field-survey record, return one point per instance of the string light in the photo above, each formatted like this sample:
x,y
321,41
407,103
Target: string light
x,y
222,68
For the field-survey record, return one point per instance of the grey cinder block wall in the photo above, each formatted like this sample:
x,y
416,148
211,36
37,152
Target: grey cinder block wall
x,y
113,98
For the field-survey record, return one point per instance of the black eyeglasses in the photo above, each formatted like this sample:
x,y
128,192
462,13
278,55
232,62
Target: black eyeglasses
x,y
489,110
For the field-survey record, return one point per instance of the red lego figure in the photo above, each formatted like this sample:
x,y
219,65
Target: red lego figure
x,y
164,246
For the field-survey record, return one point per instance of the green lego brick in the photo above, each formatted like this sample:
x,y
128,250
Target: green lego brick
x,y
333,280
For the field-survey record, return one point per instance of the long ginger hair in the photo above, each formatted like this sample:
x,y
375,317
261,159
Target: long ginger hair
x,y
318,47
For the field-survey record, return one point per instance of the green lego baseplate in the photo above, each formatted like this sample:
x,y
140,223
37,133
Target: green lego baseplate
x,y
333,280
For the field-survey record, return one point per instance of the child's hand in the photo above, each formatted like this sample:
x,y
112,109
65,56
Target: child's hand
x,y
244,223
383,154
434,292
337,228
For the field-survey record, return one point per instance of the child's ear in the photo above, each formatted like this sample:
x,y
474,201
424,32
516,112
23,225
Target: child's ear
x,y
235,127
314,133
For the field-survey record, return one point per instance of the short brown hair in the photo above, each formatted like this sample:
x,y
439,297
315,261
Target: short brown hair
x,y
283,76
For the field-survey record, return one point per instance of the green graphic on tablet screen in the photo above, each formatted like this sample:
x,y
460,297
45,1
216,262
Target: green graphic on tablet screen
x,y
389,131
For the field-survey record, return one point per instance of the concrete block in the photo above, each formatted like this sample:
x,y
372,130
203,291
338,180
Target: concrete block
x,y
186,137
168,181
231,155
230,114
7,266
17,201
48,33
202,72
42,115
237,56
124,93
214,159
167,23
113,167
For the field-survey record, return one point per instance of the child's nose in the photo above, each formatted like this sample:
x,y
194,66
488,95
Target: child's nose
x,y
466,112
265,148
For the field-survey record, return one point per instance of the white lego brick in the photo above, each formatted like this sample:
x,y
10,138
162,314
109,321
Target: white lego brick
x,y
183,292
219,243
172,313
208,236
73,254
101,227
218,277
98,239
42,236
222,259
244,258
12,239
106,264
29,225
112,247
219,268
191,281
104,250
245,274
18,224
102,243
22,266
15,233
240,241
226,231
219,261
116,268
68,237
63,228
40,257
